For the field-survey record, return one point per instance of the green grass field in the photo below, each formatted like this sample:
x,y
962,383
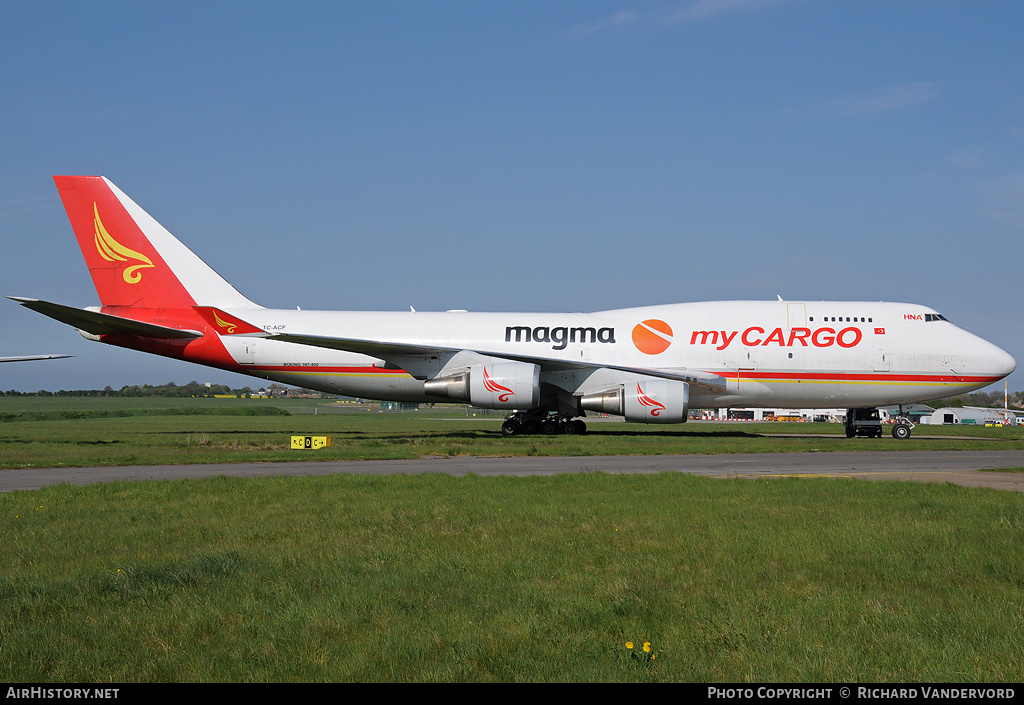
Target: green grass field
x,y
435,578
64,432
439,579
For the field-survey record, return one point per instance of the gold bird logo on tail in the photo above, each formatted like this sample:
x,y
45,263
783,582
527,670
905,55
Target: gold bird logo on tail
x,y
113,251
224,324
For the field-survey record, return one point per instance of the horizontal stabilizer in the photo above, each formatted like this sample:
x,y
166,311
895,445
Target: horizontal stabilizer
x,y
97,323
226,324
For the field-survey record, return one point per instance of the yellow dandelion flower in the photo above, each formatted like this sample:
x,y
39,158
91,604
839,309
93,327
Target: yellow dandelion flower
x,y
647,647
629,645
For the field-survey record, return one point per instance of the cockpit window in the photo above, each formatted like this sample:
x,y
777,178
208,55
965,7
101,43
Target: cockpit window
x,y
934,317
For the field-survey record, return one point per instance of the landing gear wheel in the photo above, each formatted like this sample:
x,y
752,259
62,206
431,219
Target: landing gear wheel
x,y
545,421
574,428
901,431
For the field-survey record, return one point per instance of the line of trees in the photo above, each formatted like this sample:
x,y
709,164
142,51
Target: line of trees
x,y
989,399
192,389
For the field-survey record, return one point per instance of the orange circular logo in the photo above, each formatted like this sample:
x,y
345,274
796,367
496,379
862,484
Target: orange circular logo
x,y
652,336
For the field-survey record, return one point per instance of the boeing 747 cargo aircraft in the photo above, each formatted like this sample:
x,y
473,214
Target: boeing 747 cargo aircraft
x,y
650,364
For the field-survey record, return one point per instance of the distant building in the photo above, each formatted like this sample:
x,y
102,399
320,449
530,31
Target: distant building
x,y
774,414
975,415
888,414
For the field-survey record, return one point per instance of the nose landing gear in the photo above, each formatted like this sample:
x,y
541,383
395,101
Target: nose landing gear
x,y
901,430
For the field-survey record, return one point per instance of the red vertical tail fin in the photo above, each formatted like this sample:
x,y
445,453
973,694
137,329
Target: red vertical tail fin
x,y
133,260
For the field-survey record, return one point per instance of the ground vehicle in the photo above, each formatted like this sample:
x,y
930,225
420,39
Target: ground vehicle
x,y
863,422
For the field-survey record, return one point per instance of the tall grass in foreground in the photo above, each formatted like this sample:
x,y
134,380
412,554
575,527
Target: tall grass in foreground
x,y
436,578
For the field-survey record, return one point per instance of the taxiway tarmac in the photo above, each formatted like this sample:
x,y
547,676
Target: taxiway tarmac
x,y
959,467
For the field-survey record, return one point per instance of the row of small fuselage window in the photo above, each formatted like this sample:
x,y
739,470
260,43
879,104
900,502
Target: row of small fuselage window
x,y
840,319
928,317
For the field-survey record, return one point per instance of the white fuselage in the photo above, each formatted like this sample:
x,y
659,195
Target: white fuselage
x,y
649,364
769,353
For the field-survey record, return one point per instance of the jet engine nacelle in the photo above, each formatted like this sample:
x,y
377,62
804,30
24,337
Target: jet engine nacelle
x,y
652,401
498,385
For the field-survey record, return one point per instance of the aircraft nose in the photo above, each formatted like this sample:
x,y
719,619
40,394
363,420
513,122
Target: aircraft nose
x,y
1007,365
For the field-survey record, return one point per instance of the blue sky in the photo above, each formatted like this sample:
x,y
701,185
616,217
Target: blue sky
x,y
530,156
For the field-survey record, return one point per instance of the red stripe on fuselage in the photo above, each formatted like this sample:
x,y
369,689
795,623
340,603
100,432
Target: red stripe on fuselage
x,y
854,377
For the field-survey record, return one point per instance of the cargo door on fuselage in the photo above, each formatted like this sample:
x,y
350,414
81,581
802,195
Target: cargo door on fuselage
x,y
796,316
883,362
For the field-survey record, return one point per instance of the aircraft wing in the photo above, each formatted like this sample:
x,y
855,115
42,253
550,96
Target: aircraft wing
x,y
700,378
98,323
388,350
374,348
26,358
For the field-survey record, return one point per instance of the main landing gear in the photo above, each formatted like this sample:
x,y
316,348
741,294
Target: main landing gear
x,y
542,421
